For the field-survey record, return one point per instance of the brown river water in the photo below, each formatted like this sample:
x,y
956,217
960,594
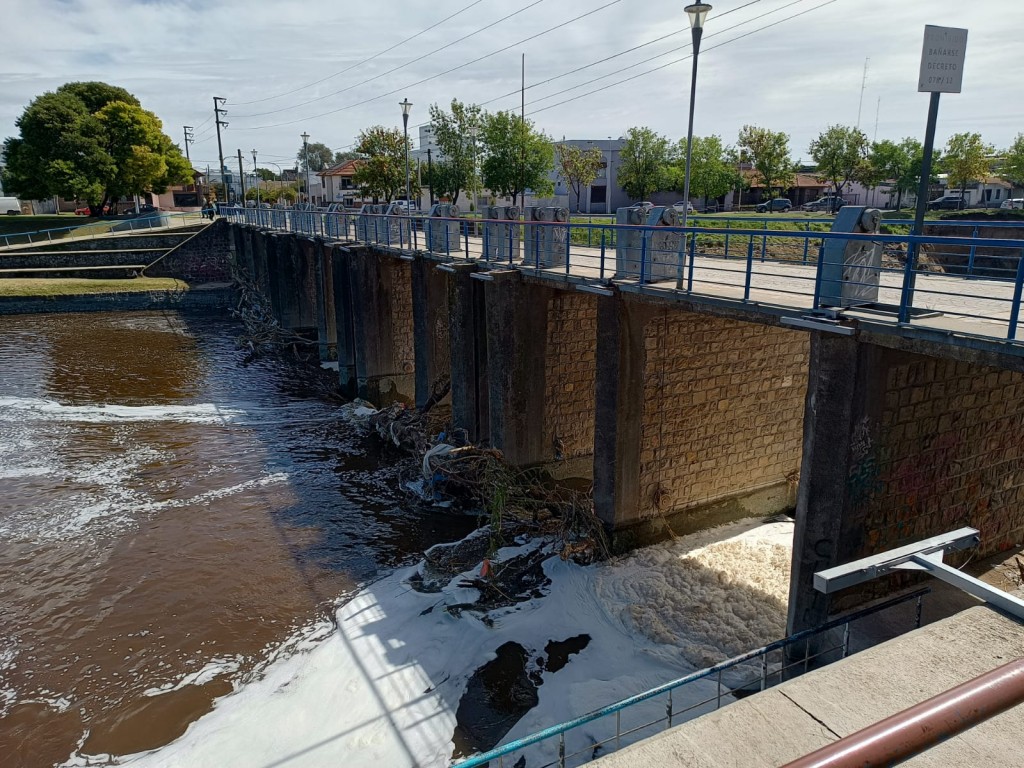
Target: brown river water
x,y
169,517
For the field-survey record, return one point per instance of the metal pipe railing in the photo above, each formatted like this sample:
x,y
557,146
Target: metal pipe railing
x,y
908,733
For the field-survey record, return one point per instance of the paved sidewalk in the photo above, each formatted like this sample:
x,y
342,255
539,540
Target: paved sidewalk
x,y
776,726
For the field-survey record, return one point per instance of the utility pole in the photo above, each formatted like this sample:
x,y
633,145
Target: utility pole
x,y
241,177
305,159
217,112
430,177
256,171
863,84
190,138
522,117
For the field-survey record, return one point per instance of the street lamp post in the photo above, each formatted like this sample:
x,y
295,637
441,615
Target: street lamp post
x,y
406,106
256,171
305,159
698,13
474,131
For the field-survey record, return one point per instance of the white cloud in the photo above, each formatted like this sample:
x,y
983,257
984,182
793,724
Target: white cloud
x,y
798,76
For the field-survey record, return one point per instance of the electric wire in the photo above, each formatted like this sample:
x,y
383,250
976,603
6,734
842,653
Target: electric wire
x,y
364,61
435,76
395,69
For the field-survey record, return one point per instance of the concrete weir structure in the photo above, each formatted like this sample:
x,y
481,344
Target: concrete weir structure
x,y
684,409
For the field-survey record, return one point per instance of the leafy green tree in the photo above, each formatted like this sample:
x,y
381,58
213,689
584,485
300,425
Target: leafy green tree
x,y
578,166
318,154
1012,167
456,136
899,163
839,152
341,157
444,179
645,159
90,141
266,174
966,159
768,152
517,157
382,174
713,172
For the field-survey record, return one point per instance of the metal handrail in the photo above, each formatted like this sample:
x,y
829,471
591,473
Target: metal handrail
x,y
103,227
761,653
586,264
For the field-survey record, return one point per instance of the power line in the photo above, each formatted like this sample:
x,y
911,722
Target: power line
x,y
400,66
516,92
666,53
684,58
638,47
439,74
364,61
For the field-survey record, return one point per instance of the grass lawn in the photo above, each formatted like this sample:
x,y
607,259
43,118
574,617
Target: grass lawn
x,y
76,286
10,225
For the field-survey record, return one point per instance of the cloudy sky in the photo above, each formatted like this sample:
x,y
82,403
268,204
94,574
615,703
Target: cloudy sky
x,y
332,68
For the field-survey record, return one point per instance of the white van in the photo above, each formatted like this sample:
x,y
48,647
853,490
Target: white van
x,y
1014,203
10,205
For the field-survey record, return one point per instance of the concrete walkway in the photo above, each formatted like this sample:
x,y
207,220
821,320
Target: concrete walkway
x,y
772,728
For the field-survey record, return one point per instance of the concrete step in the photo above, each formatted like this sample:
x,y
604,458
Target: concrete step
x,y
80,259
107,271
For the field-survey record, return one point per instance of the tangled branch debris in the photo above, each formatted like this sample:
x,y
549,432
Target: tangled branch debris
x,y
262,331
477,479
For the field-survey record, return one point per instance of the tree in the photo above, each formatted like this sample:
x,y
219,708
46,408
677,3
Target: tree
x,y
899,163
319,154
517,157
444,180
455,134
1012,167
383,172
579,167
713,172
966,159
341,157
90,141
266,174
768,152
839,151
644,163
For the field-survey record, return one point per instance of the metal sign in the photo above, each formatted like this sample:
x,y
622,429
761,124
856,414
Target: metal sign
x,y
942,60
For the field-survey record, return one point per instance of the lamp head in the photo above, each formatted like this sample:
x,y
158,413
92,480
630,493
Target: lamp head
x,y
406,106
305,137
698,13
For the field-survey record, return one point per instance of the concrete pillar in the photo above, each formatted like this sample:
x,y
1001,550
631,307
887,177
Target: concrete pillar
x,y
517,316
618,409
468,349
431,330
275,244
343,319
324,284
304,264
845,392
259,263
380,291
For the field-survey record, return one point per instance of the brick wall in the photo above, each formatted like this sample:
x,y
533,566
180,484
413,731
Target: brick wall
x,y
723,409
401,313
569,374
206,258
946,450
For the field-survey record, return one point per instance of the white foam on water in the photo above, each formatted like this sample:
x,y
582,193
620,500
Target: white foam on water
x,y
38,409
210,671
383,687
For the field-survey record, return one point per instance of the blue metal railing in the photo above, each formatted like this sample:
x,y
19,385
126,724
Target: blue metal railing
x,y
979,290
102,228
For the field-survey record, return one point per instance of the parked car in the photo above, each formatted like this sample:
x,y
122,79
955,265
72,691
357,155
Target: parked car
x,y
778,205
827,203
86,211
947,203
1013,204
10,206
681,206
646,205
